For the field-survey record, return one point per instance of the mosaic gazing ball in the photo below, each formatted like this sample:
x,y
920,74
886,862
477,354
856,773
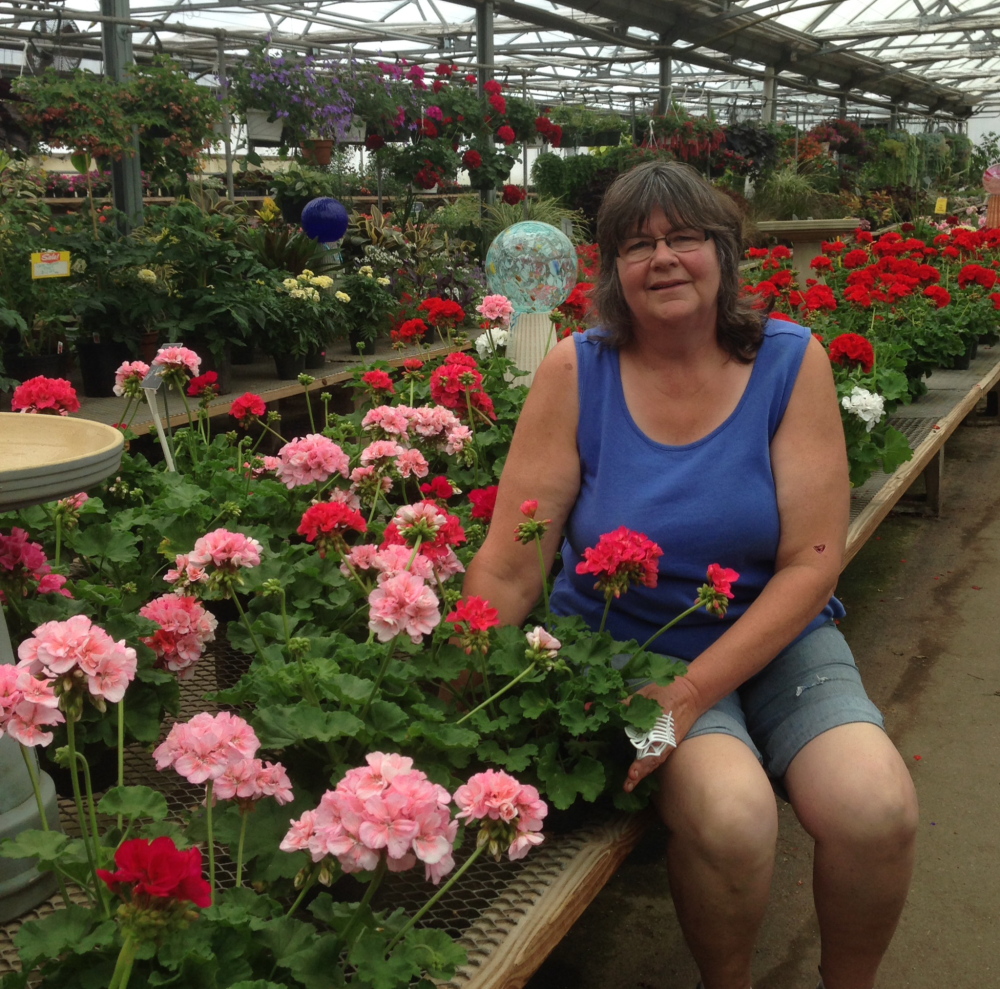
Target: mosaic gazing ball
x,y
533,264
324,219
991,179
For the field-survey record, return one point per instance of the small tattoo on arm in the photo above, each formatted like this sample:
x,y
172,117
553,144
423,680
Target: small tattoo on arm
x,y
820,548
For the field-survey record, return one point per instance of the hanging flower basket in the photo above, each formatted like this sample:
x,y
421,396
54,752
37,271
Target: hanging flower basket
x,y
260,130
317,151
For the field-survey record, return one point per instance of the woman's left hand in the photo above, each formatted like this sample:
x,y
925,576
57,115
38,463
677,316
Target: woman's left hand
x,y
678,698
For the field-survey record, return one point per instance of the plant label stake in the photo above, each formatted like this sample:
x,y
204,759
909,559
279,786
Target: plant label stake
x,y
150,386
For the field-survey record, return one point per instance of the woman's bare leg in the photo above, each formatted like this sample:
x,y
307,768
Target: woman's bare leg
x,y
720,810
853,794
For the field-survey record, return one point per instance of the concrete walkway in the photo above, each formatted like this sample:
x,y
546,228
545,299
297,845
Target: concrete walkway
x,y
923,601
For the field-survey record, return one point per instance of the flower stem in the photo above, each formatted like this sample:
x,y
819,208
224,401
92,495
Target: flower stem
x,y
123,966
379,677
246,622
475,435
437,896
352,924
78,800
604,617
545,581
36,786
244,817
656,635
503,690
209,800
306,886
58,553
121,749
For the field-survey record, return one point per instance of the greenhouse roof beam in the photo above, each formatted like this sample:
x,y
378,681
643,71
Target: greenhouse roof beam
x,y
960,22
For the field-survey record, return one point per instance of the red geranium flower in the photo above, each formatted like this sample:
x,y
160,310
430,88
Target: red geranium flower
x,y
439,487
506,134
473,618
247,405
410,331
498,103
940,295
820,297
326,523
442,312
43,394
156,870
513,194
199,385
492,88
378,381
472,159
484,501
619,558
852,350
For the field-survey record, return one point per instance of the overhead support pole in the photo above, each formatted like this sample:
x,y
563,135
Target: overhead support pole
x,y
767,110
842,106
485,58
666,81
126,175
227,136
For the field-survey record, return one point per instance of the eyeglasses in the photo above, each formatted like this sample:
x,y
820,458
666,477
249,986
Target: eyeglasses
x,y
637,249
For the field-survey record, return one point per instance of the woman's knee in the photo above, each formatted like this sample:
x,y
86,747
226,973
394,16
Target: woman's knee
x,y
863,795
715,798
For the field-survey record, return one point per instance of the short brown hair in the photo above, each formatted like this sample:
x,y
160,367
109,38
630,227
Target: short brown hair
x,y
688,200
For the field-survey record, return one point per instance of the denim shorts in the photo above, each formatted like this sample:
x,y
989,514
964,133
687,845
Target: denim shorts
x,y
813,685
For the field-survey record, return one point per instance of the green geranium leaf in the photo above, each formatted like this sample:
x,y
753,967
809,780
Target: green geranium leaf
x,y
134,802
516,760
449,736
368,955
586,778
642,712
349,689
104,542
535,701
284,725
318,966
386,716
441,955
71,930
42,845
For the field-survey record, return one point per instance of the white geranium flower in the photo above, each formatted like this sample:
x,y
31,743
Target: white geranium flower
x,y
865,405
491,340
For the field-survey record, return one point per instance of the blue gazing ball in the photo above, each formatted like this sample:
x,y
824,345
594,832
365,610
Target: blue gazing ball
x,y
533,264
324,219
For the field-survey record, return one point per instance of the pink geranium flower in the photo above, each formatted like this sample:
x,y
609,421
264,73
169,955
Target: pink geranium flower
x,y
174,358
27,705
220,749
403,604
185,628
510,812
215,562
496,307
312,458
129,378
59,649
385,810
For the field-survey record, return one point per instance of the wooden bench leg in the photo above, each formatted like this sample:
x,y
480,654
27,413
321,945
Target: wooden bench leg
x,y
993,401
932,483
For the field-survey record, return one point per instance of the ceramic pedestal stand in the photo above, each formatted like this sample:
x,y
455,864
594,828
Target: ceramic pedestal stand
x,y
807,237
993,210
41,458
532,337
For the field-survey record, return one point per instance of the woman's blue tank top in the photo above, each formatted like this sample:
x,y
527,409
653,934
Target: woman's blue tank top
x,y
712,501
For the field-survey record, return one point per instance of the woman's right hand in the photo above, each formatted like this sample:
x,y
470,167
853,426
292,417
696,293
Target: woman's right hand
x,y
679,699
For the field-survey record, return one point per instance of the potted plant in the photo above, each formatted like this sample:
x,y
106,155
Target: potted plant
x,y
176,116
303,94
366,308
298,184
383,98
302,314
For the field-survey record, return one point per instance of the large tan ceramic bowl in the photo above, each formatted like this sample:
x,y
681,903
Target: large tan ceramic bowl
x,y
46,457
